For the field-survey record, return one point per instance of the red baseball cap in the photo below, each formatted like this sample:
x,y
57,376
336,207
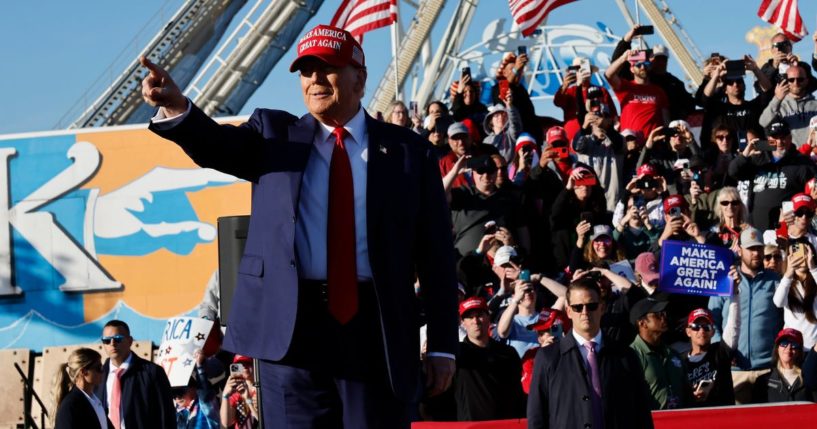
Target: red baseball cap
x,y
556,134
646,265
334,46
700,313
790,333
674,201
811,184
474,303
647,170
802,200
549,317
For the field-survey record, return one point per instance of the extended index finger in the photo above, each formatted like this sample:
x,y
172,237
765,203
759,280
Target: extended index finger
x,y
154,69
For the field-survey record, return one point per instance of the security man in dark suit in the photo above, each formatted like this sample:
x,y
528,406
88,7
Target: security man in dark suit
x,y
135,391
586,380
346,211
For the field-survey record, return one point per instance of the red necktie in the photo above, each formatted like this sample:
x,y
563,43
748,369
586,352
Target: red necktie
x,y
341,256
116,399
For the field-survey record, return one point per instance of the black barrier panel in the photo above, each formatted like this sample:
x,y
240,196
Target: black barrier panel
x,y
232,235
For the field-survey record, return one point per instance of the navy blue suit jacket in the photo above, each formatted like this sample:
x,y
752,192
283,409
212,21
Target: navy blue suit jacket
x,y
146,398
75,412
408,232
560,389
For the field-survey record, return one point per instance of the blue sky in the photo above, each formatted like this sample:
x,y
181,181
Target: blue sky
x,y
54,51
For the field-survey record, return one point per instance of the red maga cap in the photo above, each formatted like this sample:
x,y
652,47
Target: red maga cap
x,y
700,313
334,46
556,134
647,170
473,304
673,201
802,200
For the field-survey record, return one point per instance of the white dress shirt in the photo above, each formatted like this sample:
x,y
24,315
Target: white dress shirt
x,y
313,205
98,409
109,386
580,341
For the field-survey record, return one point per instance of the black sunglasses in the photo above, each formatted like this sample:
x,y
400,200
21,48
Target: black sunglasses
x,y
579,308
728,82
775,256
734,203
804,212
786,343
698,326
116,339
796,79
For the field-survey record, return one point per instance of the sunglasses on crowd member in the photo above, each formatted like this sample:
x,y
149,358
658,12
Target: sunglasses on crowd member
x,y
579,308
733,203
781,45
796,79
728,82
789,343
804,212
775,256
116,339
721,136
698,326
645,64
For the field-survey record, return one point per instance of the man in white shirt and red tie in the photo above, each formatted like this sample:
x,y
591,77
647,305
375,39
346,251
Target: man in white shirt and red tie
x,y
587,380
346,211
135,391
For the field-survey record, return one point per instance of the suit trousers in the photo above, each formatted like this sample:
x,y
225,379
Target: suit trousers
x,y
333,376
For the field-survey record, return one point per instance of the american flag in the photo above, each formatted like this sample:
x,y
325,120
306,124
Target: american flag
x,y
784,14
360,16
530,13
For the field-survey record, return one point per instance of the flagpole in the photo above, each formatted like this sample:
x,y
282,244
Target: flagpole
x,y
394,41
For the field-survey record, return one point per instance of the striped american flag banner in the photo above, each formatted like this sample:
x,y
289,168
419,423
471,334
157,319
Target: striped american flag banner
x,y
784,14
360,16
528,14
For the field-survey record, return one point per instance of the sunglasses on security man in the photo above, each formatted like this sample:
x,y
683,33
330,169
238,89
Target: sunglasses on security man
x,y
116,339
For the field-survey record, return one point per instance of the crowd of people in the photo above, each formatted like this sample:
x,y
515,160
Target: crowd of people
x,y
574,200
558,227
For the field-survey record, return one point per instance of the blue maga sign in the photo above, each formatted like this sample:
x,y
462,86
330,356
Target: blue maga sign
x,y
695,269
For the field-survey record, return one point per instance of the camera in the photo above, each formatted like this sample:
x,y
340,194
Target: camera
x,y
698,177
466,71
644,30
639,201
670,132
522,50
593,275
524,275
646,183
674,212
236,368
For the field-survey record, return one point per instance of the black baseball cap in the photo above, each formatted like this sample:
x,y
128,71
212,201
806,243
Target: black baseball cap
x,y
646,306
778,128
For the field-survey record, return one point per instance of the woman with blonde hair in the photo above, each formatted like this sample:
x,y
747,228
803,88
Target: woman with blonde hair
x,y
398,114
74,384
732,215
